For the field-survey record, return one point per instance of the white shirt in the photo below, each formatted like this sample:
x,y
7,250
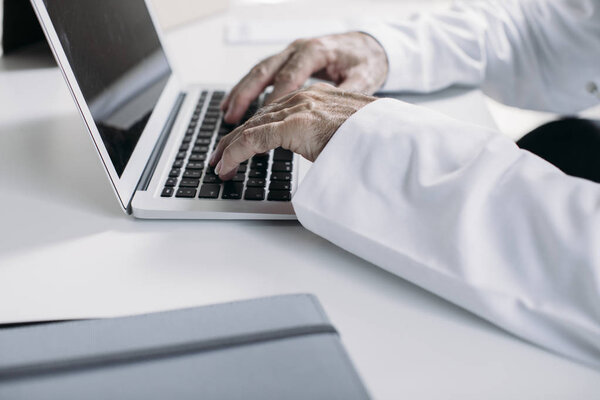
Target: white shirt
x,y
458,209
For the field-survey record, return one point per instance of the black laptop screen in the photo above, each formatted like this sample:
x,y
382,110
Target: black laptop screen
x,y
116,56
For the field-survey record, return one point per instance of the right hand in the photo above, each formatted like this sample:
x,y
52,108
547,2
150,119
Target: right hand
x,y
354,61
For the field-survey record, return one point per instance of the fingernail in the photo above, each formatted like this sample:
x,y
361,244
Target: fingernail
x,y
212,159
218,167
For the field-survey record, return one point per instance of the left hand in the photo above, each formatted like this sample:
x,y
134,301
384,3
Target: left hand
x,y
303,121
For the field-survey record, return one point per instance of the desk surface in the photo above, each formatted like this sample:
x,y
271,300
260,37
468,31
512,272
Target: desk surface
x,y
67,250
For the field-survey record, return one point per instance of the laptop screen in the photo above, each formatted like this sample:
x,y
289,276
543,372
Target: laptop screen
x,y
118,61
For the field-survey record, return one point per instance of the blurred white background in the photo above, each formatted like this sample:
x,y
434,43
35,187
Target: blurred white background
x,y
175,13
511,121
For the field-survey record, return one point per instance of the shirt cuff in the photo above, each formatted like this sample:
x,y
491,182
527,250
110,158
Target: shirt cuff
x,y
344,155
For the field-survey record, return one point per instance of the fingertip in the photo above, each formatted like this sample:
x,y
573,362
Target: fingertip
x,y
213,159
226,176
225,104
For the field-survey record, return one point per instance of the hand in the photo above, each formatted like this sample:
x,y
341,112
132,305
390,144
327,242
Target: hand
x,y
303,122
354,61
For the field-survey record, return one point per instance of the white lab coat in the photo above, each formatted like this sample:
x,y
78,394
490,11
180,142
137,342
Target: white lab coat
x,y
458,209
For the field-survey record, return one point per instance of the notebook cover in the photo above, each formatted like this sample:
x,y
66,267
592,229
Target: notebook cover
x,y
278,347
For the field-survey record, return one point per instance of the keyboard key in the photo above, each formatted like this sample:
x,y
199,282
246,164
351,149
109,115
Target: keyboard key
x,y
262,164
181,155
192,173
232,191
171,182
210,127
254,193
175,172
200,149
239,177
186,193
187,138
257,174
280,186
178,164
184,147
282,166
167,192
209,191
212,179
281,176
279,195
189,183
256,183
282,155
202,142
198,157
261,157
242,168
195,165
205,134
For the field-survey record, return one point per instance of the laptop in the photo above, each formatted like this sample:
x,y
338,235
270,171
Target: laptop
x,y
153,135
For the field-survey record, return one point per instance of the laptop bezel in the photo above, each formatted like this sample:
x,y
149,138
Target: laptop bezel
x,y
125,185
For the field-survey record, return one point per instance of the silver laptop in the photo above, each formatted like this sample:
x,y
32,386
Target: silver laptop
x,y
153,135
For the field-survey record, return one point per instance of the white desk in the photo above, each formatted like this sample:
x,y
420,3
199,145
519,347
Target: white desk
x,y
67,250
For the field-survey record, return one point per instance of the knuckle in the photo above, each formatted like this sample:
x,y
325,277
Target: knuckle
x,y
310,105
259,71
314,43
298,43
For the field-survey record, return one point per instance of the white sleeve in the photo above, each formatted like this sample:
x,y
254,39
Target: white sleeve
x,y
464,213
538,54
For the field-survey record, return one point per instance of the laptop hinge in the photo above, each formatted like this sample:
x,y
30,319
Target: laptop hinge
x,y
158,149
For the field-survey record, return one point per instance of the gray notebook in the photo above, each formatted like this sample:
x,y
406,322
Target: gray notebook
x,y
280,347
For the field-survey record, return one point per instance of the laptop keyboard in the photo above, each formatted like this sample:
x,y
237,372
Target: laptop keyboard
x,y
265,177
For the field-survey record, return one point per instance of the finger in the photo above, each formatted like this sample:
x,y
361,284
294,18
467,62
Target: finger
x,y
222,145
225,141
225,103
276,115
252,85
252,141
301,65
